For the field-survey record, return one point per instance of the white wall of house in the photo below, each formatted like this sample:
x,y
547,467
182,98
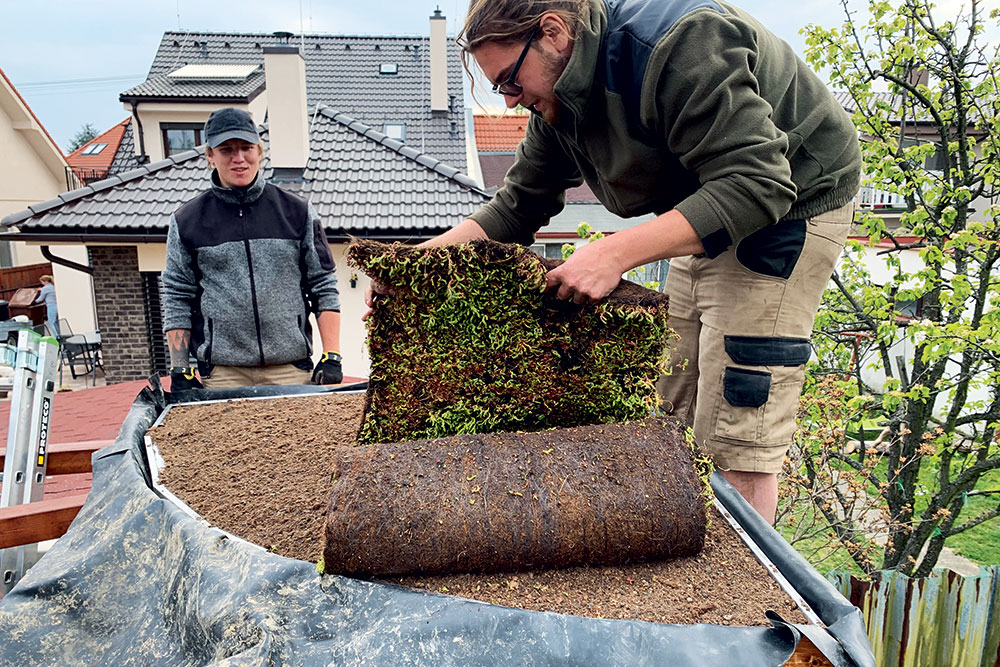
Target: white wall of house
x,y
74,289
353,335
910,262
32,169
153,114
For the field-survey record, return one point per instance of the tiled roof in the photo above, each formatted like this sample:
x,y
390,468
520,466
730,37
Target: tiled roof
x,y
495,166
125,159
361,182
500,134
161,87
343,73
101,161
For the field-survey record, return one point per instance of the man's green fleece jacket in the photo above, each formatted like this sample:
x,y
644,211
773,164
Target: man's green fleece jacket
x,y
682,104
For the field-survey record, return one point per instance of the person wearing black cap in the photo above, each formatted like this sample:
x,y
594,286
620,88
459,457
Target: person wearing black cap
x,y
246,264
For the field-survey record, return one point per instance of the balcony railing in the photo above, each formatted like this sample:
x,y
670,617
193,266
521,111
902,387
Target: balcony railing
x,y
869,197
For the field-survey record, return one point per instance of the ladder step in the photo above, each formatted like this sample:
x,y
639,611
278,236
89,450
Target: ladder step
x,y
37,522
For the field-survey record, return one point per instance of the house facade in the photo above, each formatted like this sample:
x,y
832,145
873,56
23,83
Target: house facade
x,y
497,137
34,169
388,163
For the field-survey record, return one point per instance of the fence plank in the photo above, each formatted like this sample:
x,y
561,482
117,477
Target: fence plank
x,y
943,619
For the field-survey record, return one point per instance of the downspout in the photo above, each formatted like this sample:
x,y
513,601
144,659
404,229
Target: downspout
x,y
62,261
142,157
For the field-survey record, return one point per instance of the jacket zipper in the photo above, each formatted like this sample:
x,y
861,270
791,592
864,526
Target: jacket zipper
x,y
253,286
211,340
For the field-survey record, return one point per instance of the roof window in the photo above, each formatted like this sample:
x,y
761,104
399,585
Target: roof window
x,y
388,68
395,131
93,149
213,72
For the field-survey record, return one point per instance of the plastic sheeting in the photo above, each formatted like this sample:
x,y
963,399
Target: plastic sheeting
x,y
138,581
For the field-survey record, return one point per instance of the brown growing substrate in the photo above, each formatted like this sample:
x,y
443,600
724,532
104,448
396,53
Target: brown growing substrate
x,y
261,470
607,494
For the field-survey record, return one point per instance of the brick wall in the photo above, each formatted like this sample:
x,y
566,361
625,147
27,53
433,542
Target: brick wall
x,y
121,314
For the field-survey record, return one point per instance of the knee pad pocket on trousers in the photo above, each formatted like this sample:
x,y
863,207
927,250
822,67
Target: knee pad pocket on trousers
x,y
768,351
746,389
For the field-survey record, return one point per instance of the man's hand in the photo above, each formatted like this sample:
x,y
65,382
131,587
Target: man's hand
x,y
374,291
587,276
184,378
328,370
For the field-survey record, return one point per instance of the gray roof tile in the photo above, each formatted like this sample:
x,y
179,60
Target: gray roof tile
x,y
359,186
125,157
342,72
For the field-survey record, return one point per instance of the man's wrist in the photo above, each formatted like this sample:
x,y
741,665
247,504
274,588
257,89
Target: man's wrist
x,y
330,355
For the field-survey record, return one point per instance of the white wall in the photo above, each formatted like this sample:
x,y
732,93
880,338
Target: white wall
x,y
152,114
30,172
74,289
910,263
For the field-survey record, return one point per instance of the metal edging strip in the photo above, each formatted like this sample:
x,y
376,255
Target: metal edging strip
x,y
772,569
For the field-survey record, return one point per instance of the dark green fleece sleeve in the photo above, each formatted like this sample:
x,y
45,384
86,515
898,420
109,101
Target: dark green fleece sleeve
x,y
701,95
534,189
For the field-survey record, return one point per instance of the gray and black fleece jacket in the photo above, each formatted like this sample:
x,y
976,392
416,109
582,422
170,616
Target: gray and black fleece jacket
x,y
689,105
245,267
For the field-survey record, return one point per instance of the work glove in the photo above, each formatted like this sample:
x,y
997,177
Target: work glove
x,y
182,378
328,370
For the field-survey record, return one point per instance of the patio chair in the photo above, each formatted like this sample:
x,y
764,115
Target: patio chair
x,y
74,351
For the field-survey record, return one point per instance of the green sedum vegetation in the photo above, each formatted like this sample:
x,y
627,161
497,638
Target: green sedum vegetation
x,y
468,341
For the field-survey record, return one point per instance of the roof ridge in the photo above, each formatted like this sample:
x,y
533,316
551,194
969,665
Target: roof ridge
x,y
315,35
98,186
405,150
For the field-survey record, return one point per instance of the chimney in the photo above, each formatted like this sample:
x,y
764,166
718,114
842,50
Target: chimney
x,y
287,116
439,63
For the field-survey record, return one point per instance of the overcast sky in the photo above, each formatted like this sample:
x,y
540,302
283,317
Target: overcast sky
x,y
70,59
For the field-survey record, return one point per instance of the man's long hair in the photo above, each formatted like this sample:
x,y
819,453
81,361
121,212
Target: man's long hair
x,y
510,21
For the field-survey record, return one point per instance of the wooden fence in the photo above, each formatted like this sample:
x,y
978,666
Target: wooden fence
x,y
16,277
944,620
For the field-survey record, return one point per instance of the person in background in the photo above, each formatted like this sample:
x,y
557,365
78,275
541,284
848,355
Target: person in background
x,y
693,111
247,262
48,295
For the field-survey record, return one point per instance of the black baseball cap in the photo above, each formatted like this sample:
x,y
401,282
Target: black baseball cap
x,y
230,123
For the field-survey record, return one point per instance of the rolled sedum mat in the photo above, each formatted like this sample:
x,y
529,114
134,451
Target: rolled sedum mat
x,y
607,494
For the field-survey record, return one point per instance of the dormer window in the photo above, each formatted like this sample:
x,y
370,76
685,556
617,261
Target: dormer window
x,y
388,68
180,137
395,131
93,149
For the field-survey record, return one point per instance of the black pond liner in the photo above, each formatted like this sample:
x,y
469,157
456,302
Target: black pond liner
x,y
138,581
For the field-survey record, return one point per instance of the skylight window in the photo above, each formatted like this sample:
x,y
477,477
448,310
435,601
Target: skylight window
x,y
395,130
388,68
93,149
213,72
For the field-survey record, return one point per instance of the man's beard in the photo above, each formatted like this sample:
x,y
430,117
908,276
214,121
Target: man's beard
x,y
554,65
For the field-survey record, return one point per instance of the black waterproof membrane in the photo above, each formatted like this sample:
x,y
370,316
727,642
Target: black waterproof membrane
x,y
138,581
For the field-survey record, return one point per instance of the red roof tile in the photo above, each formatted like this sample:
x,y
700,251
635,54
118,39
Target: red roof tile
x,y
495,168
500,134
85,165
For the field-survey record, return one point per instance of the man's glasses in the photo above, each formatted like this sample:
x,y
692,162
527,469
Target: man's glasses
x,y
509,87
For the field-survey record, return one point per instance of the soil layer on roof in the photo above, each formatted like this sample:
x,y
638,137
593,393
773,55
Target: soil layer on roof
x,y
261,470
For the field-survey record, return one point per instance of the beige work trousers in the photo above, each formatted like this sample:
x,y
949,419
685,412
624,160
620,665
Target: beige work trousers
x,y
744,319
224,377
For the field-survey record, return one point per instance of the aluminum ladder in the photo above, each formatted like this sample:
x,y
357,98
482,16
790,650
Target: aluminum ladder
x,y
35,361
